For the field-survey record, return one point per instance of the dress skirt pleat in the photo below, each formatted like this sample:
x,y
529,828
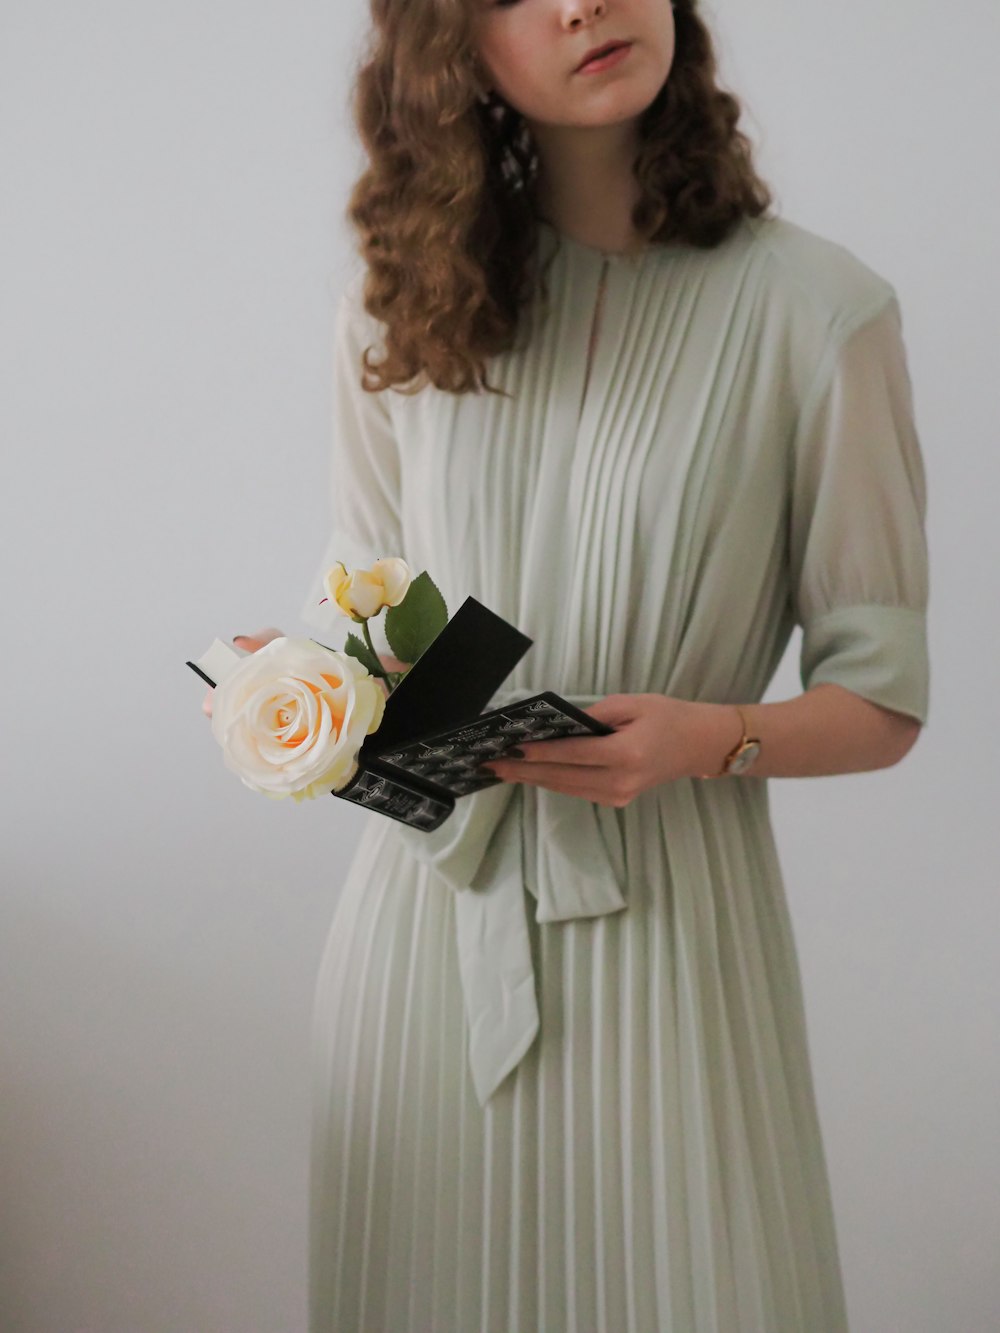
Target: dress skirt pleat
x,y
653,1163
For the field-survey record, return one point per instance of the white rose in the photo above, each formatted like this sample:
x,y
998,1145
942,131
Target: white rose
x,y
292,717
362,593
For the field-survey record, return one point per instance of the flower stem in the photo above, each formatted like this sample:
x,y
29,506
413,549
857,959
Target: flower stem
x,y
386,675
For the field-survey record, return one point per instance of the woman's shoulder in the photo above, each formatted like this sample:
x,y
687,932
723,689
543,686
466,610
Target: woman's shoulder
x,y
816,274
355,329
350,305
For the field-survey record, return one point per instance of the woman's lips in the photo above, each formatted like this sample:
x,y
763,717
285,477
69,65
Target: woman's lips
x,y
606,61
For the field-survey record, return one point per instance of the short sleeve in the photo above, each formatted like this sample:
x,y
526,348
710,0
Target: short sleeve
x,y
858,549
364,475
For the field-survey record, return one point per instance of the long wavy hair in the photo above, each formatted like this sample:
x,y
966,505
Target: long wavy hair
x,y
446,210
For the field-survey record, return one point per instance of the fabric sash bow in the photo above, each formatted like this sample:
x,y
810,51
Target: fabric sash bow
x,y
570,855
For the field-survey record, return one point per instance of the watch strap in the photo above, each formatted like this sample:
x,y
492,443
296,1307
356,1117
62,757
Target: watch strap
x,y
744,743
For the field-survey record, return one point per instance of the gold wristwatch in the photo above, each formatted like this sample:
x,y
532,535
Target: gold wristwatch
x,y
743,755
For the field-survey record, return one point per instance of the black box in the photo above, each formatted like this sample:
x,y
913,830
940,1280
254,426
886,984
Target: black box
x,y
433,732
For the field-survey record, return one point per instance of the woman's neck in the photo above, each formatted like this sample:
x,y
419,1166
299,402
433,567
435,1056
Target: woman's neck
x,y
586,185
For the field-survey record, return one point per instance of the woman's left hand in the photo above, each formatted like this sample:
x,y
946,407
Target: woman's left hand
x,y
656,739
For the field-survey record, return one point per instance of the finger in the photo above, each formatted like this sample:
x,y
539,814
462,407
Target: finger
x,y
253,642
615,709
555,775
392,663
263,636
589,750
206,703
574,782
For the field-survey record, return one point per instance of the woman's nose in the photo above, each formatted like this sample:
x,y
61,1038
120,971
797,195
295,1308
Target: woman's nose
x,y
578,12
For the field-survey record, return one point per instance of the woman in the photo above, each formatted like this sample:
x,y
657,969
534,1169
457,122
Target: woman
x,y
562,1079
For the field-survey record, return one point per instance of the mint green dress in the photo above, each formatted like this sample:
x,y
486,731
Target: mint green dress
x,y
562,1079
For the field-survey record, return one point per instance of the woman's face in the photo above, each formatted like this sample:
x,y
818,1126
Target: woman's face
x,y
531,49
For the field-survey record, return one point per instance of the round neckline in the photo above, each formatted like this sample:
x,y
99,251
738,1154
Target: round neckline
x,y
611,256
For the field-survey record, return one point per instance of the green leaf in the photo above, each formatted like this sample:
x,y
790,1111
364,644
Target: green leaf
x,y
413,625
355,647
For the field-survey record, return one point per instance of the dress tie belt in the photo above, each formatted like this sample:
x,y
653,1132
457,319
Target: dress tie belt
x,y
566,851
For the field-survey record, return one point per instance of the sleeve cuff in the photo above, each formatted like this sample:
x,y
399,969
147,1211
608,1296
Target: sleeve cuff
x,y
878,652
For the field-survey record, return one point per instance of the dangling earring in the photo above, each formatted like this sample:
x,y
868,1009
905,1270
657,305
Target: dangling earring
x,y
485,95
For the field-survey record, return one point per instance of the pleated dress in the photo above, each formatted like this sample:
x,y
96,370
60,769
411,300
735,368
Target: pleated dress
x,y
561,1072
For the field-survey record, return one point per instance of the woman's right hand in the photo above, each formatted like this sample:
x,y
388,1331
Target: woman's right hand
x,y
251,642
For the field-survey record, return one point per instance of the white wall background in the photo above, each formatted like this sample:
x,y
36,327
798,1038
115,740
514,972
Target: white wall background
x,y
173,178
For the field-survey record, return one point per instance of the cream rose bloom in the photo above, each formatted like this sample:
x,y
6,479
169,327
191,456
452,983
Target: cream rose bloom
x,y
292,717
362,593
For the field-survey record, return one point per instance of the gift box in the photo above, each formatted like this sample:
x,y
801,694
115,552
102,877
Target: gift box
x,y
434,733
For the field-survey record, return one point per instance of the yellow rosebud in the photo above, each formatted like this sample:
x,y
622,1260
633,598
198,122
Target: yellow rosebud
x,y
363,593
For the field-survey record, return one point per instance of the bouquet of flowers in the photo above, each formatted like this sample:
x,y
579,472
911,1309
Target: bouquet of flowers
x,y
292,717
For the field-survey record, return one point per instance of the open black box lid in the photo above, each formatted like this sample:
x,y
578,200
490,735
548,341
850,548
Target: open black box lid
x,y
453,679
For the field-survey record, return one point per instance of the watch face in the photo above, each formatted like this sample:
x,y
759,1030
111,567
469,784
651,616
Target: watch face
x,y
745,758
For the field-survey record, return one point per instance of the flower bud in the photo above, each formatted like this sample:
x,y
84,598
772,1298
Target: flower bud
x,y
363,593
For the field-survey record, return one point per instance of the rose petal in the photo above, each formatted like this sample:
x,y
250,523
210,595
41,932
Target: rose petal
x,y
396,577
329,702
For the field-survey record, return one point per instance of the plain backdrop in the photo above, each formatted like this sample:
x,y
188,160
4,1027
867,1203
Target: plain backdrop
x,y
173,181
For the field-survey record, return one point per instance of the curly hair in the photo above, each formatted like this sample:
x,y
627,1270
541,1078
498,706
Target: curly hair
x,y
446,208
